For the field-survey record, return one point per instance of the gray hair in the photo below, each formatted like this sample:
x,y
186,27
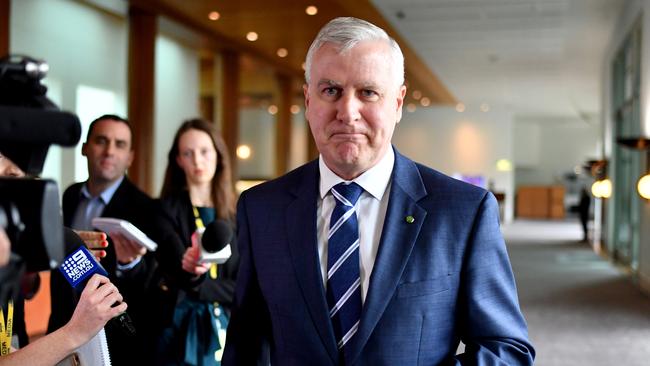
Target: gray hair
x,y
346,32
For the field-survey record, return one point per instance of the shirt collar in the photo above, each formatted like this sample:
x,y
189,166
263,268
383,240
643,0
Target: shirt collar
x,y
374,180
107,194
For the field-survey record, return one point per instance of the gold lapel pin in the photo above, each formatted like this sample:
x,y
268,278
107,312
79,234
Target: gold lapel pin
x,y
410,219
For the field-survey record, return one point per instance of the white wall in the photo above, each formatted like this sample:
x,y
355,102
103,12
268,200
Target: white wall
x,y
83,47
546,150
526,145
176,98
468,143
257,129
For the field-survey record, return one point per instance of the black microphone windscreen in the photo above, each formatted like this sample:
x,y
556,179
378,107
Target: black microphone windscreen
x,y
72,240
216,236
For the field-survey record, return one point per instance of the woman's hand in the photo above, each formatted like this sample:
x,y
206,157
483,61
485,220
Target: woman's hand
x,y
95,241
191,261
94,309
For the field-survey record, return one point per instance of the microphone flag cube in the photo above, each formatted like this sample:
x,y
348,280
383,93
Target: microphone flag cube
x,y
79,266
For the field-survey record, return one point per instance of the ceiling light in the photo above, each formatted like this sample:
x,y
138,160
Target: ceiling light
x,y
485,107
417,94
303,66
252,36
460,107
282,52
272,109
295,109
311,10
214,15
425,101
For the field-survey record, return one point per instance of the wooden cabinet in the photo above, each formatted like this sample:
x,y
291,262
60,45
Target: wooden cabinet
x,y
540,202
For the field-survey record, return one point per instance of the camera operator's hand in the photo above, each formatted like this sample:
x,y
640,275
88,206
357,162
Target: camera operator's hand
x,y
94,309
191,261
5,248
127,250
95,241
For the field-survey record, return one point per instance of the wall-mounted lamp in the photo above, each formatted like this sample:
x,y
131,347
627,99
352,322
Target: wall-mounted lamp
x,y
643,186
602,188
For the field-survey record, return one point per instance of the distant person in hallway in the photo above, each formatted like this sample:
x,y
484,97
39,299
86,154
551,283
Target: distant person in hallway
x,y
364,257
583,211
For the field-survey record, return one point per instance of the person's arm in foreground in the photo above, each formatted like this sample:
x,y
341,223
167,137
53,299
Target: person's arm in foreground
x,y
493,328
91,314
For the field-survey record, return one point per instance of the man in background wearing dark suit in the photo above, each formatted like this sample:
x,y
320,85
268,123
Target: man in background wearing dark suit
x,y
109,193
364,257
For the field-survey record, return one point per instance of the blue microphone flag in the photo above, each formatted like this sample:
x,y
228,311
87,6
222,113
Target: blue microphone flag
x,y
79,266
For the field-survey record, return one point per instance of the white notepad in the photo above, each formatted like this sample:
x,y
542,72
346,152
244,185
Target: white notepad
x,y
93,353
111,225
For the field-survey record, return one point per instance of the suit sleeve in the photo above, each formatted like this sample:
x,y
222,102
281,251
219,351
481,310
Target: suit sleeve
x,y
249,328
493,328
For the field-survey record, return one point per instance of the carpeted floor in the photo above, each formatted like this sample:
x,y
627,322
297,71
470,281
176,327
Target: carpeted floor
x,y
581,310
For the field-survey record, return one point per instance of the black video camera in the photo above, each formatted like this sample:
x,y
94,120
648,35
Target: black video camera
x,y
30,212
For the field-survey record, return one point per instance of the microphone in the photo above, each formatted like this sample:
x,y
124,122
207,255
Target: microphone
x,y
214,242
78,267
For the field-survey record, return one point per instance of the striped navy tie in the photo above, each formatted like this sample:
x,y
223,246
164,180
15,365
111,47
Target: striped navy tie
x,y
343,280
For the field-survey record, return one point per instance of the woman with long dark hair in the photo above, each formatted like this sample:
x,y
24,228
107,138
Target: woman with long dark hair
x,y
197,190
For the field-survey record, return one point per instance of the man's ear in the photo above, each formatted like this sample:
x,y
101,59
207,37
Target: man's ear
x,y
400,101
305,90
83,149
131,155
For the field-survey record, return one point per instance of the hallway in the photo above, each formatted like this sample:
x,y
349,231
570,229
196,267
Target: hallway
x,y
580,309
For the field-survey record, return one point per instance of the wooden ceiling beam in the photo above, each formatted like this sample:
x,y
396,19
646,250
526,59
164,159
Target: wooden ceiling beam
x,y
215,41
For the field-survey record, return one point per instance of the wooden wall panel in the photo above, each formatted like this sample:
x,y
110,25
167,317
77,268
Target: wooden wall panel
x,y
141,65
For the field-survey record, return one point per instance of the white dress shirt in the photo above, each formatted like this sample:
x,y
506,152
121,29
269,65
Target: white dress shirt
x,y
370,208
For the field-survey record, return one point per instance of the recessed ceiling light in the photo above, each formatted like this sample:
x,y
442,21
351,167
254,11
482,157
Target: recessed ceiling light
x,y
282,52
460,107
425,101
417,94
485,107
295,109
214,15
311,10
252,36
303,66
272,109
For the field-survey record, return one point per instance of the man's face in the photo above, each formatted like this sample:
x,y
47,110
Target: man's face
x,y
353,104
108,151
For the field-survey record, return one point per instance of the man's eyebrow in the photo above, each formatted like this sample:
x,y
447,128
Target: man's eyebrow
x,y
327,82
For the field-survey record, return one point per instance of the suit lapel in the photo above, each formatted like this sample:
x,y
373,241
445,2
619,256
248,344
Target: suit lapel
x,y
303,244
397,240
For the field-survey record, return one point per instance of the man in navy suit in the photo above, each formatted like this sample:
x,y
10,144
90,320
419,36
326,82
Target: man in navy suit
x,y
430,267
